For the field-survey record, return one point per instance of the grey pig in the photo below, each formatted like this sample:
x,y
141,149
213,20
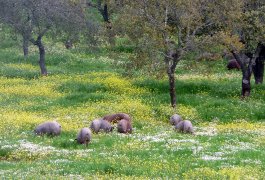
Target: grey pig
x,y
50,128
84,136
175,119
124,126
185,127
100,124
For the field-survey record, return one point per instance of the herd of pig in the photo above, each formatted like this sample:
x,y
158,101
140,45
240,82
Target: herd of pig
x,y
123,121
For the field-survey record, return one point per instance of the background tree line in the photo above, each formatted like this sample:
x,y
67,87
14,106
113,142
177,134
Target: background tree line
x,y
162,32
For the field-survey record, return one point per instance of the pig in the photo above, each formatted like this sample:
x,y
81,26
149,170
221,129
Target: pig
x,y
95,125
52,128
233,64
100,124
106,126
185,127
116,117
84,136
124,126
175,119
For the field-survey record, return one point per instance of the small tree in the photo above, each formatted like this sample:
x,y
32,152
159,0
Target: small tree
x,y
37,18
20,21
164,31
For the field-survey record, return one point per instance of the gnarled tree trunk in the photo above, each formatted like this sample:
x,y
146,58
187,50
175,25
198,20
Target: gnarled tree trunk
x,y
26,35
25,46
108,25
172,57
246,63
171,78
42,57
246,87
38,43
246,69
258,70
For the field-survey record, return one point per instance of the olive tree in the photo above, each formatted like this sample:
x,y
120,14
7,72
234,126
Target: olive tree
x,y
253,35
165,31
34,19
249,28
18,19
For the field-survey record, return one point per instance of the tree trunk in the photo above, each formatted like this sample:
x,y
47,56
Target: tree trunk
x,y
172,58
246,83
25,46
258,70
245,73
104,11
42,56
68,44
105,14
172,90
26,35
110,34
246,64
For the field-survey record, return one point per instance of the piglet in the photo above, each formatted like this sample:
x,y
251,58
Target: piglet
x,y
84,136
185,127
100,124
175,119
124,126
50,128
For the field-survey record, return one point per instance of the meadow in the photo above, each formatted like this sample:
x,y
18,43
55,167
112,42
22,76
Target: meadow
x,y
229,140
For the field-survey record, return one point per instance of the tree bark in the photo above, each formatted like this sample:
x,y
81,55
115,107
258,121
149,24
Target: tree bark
x,y
258,70
246,87
105,14
246,69
25,46
26,35
103,11
42,56
246,64
172,57
172,90
38,43
172,85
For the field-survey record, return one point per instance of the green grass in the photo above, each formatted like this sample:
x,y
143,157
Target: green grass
x,y
82,86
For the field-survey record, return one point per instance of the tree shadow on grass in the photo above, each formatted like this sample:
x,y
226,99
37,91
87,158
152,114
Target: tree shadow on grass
x,y
211,99
78,92
212,88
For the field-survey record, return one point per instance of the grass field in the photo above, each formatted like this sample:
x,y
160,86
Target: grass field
x,y
229,140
